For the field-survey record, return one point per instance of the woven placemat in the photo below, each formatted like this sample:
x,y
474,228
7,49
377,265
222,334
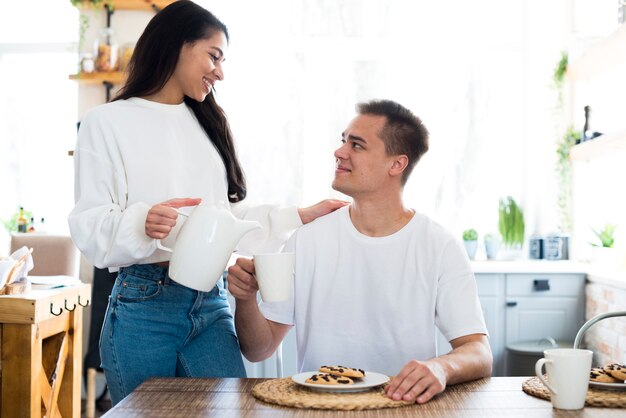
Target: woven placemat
x,y
286,392
595,397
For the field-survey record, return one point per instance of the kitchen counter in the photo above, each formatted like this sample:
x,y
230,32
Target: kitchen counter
x,y
593,273
529,266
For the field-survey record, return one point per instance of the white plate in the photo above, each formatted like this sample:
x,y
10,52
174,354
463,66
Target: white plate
x,y
371,380
614,386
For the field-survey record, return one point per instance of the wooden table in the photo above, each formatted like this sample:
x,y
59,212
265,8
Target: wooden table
x,y
42,352
230,398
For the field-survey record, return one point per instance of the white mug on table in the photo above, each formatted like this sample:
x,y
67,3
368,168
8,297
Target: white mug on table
x,y
568,376
274,273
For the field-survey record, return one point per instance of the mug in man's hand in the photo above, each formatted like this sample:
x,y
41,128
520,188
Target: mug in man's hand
x,y
274,273
568,376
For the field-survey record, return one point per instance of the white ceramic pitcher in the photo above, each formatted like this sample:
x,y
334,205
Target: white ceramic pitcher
x,y
204,245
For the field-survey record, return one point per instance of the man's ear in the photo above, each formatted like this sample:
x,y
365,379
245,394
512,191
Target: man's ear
x,y
398,165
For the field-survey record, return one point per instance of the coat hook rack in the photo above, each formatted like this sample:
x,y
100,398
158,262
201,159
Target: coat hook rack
x,y
68,309
85,305
52,310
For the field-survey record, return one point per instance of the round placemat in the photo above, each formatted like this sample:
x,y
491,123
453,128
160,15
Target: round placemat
x,y
286,392
595,397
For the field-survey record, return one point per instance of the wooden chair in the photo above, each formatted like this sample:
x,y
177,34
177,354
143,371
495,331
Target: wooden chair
x,y
52,254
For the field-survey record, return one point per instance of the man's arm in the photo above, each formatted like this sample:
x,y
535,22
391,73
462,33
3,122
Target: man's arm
x,y
258,336
470,359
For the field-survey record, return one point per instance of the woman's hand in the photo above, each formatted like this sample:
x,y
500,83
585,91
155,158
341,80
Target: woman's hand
x,y
162,217
320,209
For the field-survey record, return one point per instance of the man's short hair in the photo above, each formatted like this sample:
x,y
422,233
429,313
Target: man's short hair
x,y
403,133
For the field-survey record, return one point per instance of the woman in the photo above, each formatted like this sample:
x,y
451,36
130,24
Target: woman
x,y
164,143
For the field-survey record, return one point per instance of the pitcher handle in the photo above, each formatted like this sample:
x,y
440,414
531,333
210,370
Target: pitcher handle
x,y
158,242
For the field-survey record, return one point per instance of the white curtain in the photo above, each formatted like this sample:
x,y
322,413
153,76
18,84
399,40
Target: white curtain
x,y
478,74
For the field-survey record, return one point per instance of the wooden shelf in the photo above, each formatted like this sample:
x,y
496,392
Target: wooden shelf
x,y
130,4
114,77
602,145
600,56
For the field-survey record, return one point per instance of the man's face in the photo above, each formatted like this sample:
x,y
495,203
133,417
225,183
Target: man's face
x,y
362,163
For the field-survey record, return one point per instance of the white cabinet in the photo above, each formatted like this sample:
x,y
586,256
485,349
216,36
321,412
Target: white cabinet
x,y
543,306
527,307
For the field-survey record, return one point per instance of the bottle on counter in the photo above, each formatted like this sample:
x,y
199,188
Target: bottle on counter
x,y
22,222
31,228
42,227
588,134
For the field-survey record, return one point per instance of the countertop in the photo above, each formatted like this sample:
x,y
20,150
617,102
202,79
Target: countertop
x,y
529,266
593,273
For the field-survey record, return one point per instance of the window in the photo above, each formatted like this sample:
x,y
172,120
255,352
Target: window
x,y
38,109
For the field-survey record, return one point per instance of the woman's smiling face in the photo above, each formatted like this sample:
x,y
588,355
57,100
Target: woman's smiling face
x,y
199,67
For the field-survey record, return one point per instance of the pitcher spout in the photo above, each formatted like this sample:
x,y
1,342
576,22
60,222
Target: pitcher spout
x,y
241,228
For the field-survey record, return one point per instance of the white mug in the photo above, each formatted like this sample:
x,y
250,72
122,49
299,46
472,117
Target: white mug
x,y
568,376
274,273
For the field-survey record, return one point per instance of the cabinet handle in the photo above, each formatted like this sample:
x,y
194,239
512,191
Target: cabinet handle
x,y
511,304
541,285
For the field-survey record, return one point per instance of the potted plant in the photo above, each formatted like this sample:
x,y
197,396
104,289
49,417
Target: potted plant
x,y
492,245
604,254
470,240
511,227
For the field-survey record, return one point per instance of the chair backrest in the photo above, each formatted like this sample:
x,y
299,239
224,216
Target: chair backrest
x,y
52,254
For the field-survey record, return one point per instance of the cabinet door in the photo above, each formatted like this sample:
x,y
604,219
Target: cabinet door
x,y
532,319
540,306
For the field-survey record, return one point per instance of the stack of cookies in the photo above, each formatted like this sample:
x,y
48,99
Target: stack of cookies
x,y
336,375
611,373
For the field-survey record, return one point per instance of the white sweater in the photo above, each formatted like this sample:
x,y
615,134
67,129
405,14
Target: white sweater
x,y
132,154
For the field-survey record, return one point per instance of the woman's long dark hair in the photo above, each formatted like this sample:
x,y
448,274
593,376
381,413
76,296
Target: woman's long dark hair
x,y
154,61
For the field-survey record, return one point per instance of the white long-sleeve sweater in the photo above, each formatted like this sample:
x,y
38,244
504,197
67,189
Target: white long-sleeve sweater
x,y
132,154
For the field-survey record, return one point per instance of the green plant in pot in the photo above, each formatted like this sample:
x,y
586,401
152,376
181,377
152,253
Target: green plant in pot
x,y
470,241
511,226
492,245
605,235
604,254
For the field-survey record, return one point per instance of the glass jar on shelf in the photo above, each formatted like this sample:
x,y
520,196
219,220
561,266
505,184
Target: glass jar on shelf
x,y
106,50
127,53
87,64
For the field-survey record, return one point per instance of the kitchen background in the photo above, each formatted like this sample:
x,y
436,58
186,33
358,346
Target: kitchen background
x,y
481,74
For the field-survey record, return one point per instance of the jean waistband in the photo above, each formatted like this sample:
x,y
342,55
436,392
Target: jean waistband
x,y
152,271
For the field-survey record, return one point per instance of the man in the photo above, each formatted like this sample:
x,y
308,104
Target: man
x,y
373,279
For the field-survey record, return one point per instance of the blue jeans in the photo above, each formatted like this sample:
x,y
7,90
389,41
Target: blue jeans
x,y
157,327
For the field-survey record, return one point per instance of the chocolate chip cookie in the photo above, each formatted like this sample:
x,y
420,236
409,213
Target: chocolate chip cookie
x,y
343,371
598,374
329,379
618,371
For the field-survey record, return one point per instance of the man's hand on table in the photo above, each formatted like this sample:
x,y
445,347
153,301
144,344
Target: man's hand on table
x,y
418,381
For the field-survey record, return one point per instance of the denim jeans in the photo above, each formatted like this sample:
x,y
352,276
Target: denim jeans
x,y
157,327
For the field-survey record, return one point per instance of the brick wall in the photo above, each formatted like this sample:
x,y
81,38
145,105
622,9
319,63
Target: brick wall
x,y
606,338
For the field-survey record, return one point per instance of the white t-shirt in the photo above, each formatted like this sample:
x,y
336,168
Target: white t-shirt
x,y
373,303
132,154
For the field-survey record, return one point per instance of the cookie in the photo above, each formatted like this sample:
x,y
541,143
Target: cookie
x,y
599,375
343,371
329,379
618,371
